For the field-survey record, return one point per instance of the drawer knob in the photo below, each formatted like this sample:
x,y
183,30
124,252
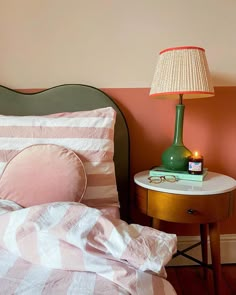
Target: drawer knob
x,y
191,211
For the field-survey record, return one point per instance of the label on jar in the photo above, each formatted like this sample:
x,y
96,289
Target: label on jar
x,y
195,166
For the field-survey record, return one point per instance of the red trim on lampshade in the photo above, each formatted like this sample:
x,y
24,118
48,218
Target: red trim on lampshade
x,y
182,92
182,47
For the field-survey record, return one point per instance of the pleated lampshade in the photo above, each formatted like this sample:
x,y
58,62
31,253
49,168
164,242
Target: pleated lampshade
x,y
182,70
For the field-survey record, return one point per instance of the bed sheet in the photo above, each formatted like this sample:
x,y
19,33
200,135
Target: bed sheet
x,y
30,262
19,277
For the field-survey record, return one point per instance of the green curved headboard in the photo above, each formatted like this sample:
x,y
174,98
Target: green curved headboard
x,y
71,98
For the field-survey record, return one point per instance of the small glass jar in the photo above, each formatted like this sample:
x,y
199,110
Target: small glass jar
x,y
195,164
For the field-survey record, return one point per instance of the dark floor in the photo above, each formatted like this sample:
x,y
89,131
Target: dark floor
x,y
189,280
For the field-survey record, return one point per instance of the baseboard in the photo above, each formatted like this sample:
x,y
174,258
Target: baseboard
x,y
227,244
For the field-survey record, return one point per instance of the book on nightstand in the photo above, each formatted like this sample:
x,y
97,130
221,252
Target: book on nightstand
x,y
183,175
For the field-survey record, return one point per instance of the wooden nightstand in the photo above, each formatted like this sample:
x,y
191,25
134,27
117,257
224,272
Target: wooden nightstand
x,y
205,203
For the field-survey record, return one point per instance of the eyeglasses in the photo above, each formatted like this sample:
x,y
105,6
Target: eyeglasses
x,y
159,179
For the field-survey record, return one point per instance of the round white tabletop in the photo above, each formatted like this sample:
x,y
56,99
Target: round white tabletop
x,y
214,183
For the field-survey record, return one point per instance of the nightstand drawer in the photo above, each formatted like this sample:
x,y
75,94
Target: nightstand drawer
x,y
141,198
189,208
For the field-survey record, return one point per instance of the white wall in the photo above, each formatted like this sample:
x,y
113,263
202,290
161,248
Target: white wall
x,y
110,43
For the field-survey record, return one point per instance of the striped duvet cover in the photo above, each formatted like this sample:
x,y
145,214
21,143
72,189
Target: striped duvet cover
x,y
69,248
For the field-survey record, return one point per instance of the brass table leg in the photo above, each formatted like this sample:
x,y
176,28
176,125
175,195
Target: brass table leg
x,y
156,223
204,247
215,255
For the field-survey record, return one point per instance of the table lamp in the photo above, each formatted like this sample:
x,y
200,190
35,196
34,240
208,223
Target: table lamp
x,y
181,72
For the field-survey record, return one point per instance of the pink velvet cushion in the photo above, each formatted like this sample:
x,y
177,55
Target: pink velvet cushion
x,y
43,173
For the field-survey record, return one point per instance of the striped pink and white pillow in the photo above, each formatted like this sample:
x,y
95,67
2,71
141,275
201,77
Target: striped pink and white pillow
x,y
90,134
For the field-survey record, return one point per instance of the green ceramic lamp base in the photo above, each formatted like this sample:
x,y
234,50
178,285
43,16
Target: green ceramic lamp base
x,y
176,158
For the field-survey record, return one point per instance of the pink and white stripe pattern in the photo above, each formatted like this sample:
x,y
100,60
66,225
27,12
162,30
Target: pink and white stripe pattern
x,y
20,277
74,237
88,133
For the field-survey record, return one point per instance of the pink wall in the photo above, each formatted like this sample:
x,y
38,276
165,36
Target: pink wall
x,y
209,127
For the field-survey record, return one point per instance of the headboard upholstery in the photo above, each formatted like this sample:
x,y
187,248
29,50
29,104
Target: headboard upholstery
x,y
71,98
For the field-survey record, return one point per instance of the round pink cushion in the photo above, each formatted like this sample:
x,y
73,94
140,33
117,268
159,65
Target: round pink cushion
x,y
43,173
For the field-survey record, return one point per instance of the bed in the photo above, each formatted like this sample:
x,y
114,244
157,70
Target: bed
x,y
64,199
